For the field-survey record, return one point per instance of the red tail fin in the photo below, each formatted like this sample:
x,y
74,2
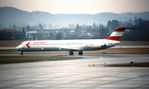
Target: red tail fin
x,y
117,33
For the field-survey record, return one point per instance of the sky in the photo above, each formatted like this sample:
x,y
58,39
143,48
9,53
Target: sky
x,y
78,6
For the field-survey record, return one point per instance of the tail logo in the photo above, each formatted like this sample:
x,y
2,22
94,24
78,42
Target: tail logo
x,y
117,34
28,44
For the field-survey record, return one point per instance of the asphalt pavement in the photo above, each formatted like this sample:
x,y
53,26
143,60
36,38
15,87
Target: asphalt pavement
x,y
85,73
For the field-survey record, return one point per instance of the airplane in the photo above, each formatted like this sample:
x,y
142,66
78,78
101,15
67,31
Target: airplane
x,y
79,45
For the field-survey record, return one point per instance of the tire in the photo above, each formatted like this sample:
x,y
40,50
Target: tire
x,y
71,53
80,53
21,53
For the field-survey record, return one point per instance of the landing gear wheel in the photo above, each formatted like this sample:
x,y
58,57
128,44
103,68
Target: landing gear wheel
x,y
21,53
80,53
71,53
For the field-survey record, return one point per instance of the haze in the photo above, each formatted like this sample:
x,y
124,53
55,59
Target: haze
x,y
78,6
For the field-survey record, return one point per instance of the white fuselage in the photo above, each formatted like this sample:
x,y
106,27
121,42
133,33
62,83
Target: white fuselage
x,y
66,45
73,45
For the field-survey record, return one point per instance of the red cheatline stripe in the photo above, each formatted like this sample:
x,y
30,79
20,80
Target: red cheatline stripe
x,y
113,37
28,44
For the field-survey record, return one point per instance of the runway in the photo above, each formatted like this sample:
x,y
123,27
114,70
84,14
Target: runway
x,y
76,74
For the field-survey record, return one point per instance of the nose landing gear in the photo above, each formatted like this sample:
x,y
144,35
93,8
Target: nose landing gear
x,y
21,53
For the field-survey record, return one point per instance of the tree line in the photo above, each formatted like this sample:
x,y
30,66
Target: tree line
x,y
94,31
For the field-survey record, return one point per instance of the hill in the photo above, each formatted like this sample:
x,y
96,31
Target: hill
x,y
10,15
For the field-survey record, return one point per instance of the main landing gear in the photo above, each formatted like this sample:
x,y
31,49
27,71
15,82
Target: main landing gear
x,y
80,53
72,53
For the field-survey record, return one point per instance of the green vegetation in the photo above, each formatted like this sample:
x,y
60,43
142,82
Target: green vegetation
x,y
21,59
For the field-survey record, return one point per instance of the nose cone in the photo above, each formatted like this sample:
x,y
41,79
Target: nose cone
x,y
19,47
